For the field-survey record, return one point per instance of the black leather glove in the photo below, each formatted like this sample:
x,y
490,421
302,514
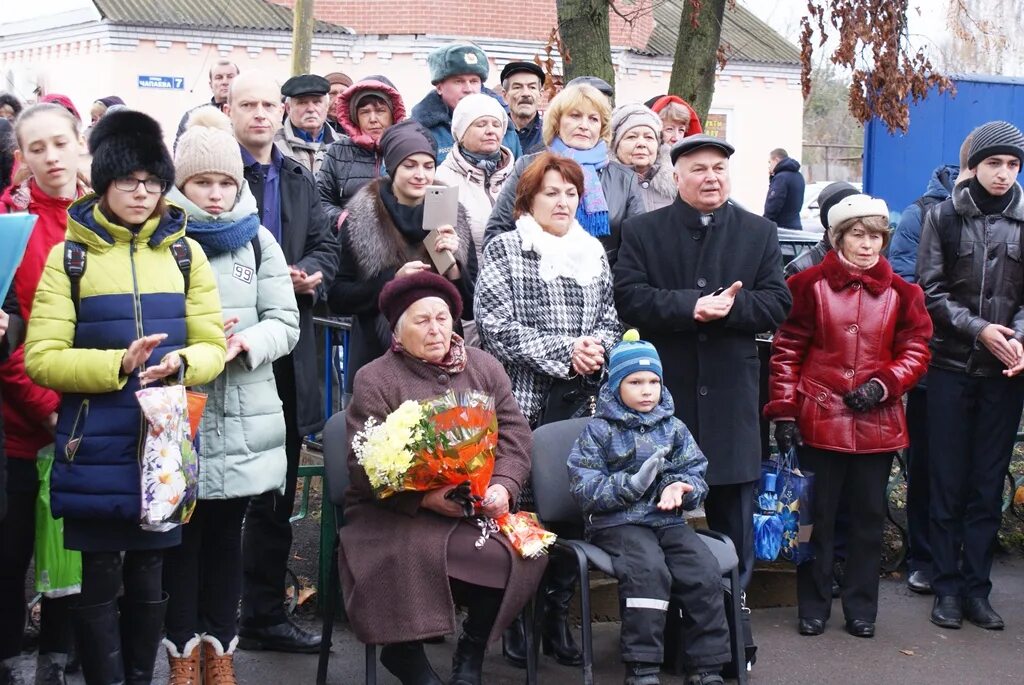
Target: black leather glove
x,y
866,397
462,496
787,435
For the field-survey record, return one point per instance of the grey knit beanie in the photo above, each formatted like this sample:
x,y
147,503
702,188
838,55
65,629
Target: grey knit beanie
x,y
629,116
404,139
830,195
995,138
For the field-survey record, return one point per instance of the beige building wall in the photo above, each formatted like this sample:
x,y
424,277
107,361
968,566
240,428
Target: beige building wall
x,y
759,106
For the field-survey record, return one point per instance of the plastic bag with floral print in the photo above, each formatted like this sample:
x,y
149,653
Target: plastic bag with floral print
x,y
170,466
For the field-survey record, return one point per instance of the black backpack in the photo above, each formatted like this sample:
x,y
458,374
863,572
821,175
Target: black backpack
x,y
74,263
75,260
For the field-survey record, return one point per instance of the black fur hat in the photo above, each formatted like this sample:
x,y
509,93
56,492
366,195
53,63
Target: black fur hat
x,y
124,142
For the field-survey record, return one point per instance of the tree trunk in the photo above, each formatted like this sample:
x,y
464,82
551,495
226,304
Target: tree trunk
x,y
696,60
302,36
583,26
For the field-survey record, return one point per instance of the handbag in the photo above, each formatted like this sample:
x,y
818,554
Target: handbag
x,y
795,488
571,398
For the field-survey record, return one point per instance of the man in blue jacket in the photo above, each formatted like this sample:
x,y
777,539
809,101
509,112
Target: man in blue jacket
x,y
785,190
903,249
903,257
455,71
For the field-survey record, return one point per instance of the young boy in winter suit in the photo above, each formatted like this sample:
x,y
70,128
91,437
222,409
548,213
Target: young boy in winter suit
x,y
632,470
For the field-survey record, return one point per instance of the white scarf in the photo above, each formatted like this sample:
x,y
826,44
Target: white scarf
x,y
576,255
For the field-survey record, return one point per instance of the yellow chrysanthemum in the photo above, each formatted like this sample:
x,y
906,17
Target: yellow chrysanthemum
x,y
383,449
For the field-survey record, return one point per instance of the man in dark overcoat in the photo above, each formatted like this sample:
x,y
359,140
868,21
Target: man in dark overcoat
x,y
289,207
700,278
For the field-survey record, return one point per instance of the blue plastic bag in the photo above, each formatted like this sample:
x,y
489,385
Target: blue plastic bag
x,y
796,493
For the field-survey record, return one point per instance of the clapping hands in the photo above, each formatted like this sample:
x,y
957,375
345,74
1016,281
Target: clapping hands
x,y
717,305
649,470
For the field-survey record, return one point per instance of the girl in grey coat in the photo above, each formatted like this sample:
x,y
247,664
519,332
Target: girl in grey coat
x,y
242,433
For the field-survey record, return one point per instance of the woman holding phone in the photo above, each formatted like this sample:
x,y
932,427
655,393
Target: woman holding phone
x,y
383,238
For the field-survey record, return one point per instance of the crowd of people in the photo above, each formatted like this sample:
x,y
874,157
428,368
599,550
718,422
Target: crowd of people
x,y
574,223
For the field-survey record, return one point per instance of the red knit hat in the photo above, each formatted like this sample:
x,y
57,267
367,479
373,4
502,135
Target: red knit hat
x,y
399,294
694,128
63,101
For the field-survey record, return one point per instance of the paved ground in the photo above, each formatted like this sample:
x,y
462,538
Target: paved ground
x,y
907,650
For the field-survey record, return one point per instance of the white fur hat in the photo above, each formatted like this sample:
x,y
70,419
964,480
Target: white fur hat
x,y
856,207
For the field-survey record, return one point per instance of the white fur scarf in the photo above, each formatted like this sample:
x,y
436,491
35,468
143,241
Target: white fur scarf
x,y
576,255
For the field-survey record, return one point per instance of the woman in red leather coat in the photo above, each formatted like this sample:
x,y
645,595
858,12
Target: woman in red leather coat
x,y
855,341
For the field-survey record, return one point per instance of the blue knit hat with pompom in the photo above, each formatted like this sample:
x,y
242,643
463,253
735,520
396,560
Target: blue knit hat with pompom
x,y
632,355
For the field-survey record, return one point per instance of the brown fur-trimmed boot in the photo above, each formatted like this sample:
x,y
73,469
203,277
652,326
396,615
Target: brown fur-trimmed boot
x,y
218,662
184,666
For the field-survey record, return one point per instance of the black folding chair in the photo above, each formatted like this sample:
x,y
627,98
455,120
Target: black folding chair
x,y
551,446
336,477
335,442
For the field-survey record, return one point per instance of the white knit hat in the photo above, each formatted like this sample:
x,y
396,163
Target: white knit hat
x,y
856,207
207,146
629,116
471,108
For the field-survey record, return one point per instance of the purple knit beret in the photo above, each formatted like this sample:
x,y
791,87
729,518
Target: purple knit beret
x,y
399,294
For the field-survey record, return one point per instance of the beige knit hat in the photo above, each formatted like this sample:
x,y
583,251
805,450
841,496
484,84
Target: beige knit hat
x,y
207,146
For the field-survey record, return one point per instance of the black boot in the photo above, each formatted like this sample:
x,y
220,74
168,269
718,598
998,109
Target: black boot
x,y
408,662
481,610
513,643
559,585
98,638
142,625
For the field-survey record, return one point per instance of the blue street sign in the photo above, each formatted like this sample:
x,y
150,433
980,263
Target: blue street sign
x,y
162,82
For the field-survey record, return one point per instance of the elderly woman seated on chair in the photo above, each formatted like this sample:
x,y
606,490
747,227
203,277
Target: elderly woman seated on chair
x,y
407,559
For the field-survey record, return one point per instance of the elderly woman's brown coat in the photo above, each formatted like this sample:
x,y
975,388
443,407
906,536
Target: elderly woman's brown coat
x,y
394,554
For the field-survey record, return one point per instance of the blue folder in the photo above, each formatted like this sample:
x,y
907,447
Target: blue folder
x,y
15,230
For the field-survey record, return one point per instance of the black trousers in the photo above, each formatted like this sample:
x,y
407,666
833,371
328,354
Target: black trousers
x,y
267,534
861,479
138,572
654,566
972,427
919,549
17,545
729,509
203,576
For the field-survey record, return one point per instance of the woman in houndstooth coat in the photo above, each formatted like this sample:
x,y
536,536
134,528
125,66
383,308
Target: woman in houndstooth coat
x,y
546,306
545,309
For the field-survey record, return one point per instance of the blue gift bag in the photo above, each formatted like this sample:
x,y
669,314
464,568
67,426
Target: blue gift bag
x,y
796,492
768,527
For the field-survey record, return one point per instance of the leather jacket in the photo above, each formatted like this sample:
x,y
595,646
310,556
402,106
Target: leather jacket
x,y
812,256
969,266
844,330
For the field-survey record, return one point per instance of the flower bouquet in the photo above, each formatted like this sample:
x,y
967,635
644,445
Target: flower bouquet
x,y
449,440
170,466
525,532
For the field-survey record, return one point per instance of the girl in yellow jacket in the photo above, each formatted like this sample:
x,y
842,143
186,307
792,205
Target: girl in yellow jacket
x,y
126,300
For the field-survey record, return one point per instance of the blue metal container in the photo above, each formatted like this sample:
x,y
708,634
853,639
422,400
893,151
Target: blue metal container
x,y
897,167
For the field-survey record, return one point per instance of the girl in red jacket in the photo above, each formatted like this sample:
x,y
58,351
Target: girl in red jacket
x,y
50,146
855,341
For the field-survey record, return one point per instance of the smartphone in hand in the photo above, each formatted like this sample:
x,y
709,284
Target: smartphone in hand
x,y
440,208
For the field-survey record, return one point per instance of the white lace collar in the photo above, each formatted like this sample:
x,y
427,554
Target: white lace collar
x,y
576,255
